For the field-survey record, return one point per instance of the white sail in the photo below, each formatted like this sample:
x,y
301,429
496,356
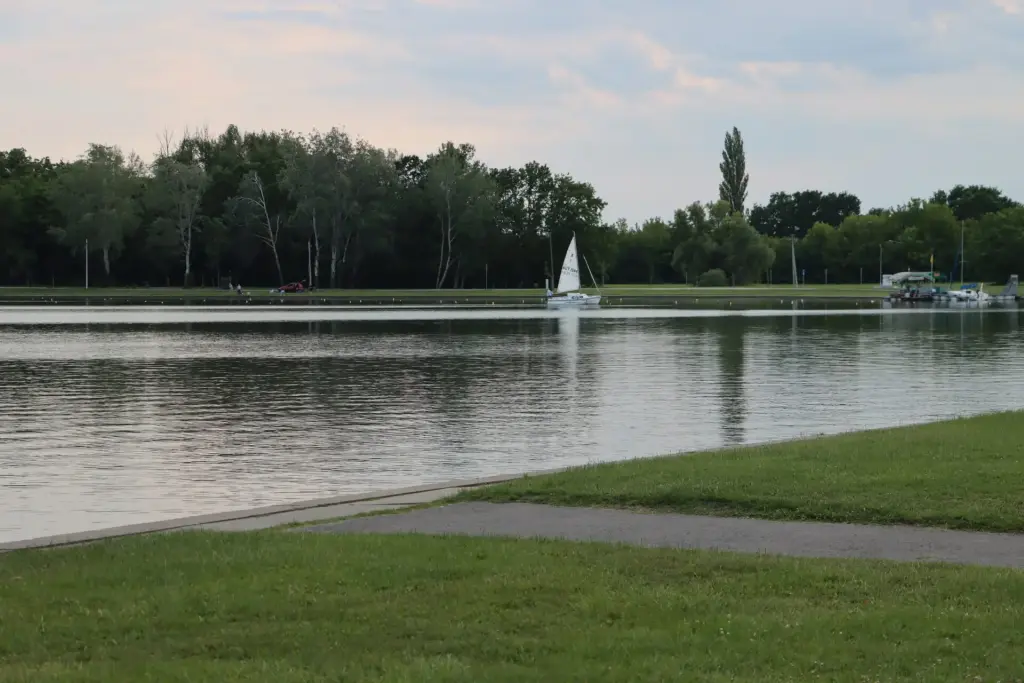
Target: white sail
x,y
569,278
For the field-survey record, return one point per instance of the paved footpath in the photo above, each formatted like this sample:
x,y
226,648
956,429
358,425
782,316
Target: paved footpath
x,y
806,539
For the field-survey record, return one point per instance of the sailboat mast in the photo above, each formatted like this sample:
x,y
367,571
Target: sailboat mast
x,y
592,278
551,255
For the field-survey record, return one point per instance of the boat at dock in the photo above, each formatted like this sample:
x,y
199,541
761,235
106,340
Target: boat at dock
x,y
920,288
913,287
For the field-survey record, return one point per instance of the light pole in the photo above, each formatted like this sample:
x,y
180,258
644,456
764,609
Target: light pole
x,y
880,278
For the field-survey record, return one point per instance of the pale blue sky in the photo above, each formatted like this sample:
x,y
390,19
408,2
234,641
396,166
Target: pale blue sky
x,y
888,100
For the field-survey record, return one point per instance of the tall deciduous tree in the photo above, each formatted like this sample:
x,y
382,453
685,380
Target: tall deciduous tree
x,y
746,255
971,202
792,215
694,251
307,178
382,219
98,199
254,208
459,191
733,188
176,195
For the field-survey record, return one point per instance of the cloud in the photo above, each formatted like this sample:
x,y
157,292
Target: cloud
x,y
884,99
1010,6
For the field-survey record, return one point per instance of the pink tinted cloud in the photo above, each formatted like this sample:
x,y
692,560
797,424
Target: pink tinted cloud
x,y
1015,7
122,72
123,83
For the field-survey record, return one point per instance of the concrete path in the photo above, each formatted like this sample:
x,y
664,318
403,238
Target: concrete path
x,y
265,517
806,539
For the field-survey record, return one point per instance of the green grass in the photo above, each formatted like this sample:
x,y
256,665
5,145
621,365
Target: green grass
x,y
289,607
965,473
654,291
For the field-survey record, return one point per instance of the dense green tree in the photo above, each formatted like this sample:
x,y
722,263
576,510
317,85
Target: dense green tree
x,y
26,213
260,208
175,196
929,234
819,251
792,215
98,199
459,193
733,188
971,202
655,241
862,241
695,249
996,243
746,255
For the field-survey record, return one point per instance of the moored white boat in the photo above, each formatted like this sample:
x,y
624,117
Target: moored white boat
x,y
569,283
574,299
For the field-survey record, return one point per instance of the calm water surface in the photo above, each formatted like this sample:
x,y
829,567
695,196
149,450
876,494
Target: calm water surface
x,y
119,416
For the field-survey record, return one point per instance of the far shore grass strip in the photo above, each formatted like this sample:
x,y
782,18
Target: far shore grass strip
x,y
964,473
634,291
277,607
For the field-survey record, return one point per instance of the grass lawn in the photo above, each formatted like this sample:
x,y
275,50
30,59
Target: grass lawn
x,y
288,607
656,291
964,473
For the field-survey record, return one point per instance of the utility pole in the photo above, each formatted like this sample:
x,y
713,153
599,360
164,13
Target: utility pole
x,y
792,254
963,278
87,264
880,277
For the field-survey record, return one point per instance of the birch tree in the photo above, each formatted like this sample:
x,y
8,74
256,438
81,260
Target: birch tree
x,y
97,196
334,151
257,213
459,191
176,193
373,180
314,177
297,179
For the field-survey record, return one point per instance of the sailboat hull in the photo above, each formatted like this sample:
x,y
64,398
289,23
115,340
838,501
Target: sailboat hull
x,y
575,300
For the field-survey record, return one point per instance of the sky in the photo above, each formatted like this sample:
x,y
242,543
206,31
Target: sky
x,y
888,100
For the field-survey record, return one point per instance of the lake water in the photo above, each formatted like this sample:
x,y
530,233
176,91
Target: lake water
x,y
122,415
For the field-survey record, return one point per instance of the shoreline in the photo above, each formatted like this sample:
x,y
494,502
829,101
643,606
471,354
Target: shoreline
x,y
265,517
329,508
680,300
612,296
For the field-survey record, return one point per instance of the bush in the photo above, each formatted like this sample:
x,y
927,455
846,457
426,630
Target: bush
x,y
715,277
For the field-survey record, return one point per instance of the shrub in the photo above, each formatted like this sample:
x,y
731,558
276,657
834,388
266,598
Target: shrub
x,y
715,277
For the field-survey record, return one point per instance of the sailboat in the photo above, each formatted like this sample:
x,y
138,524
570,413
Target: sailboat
x,y
569,282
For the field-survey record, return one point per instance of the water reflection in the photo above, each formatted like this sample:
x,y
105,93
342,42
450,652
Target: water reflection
x,y
113,423
732,413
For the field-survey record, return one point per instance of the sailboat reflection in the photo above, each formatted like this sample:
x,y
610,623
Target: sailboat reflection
x,y
569,342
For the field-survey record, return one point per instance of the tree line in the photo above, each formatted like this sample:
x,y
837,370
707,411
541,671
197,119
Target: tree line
x,y
265,208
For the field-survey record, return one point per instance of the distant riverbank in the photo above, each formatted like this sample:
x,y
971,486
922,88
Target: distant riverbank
x,y
613,295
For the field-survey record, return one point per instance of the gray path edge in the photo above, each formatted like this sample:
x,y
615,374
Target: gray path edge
x,y
800,539
199,521
221,520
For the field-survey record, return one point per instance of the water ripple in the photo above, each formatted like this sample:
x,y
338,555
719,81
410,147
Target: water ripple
x,y
114,424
